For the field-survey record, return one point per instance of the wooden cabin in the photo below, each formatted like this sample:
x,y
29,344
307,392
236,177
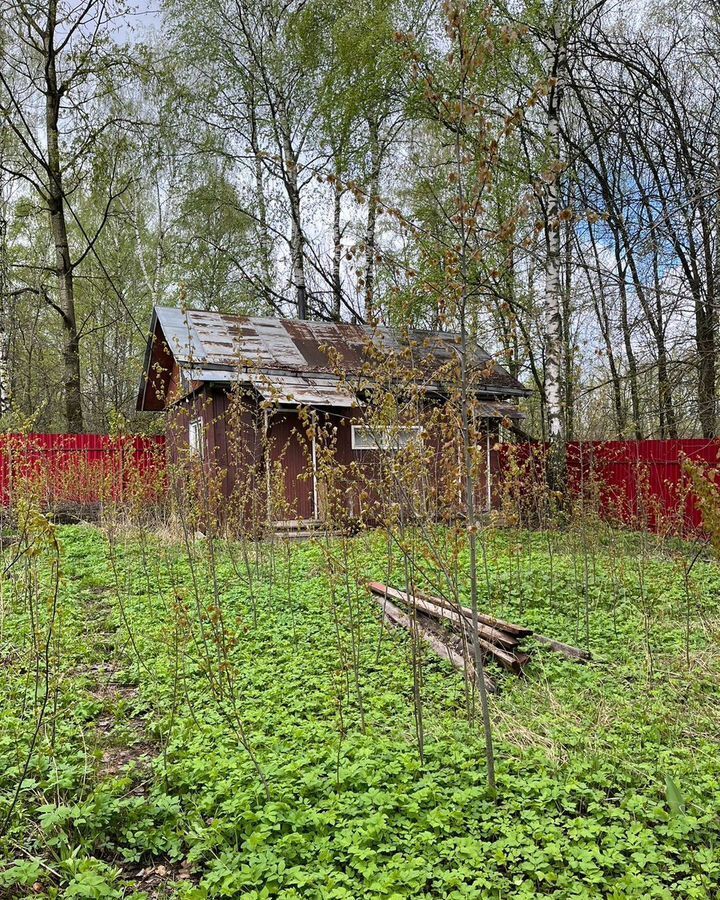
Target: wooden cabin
x,y
248,397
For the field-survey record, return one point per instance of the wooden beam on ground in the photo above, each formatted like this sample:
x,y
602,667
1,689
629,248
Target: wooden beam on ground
x,y
515,630
575,653
442,610
513,662
397,617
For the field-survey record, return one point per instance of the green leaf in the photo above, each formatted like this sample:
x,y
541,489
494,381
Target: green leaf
x,y
675,799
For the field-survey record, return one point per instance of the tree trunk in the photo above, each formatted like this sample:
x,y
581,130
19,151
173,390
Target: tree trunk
x,y
58,227
371,224
263,229
705,341
707,373
507,318
627,335
666,412
629,351
468,445
553,288
601,312
567,348
298,267
5,391
297,247
665,399
337,251
5,380
5,386
297,237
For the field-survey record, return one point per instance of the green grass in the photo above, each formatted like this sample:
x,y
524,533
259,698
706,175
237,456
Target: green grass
x,y
164,676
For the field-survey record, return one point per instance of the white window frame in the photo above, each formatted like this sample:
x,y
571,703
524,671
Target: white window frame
x,y
392,438
196,437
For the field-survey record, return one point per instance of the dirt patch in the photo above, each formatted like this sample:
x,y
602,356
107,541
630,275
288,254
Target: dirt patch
x,y
121,738
114,692
133,746
116,759
157,878
105,686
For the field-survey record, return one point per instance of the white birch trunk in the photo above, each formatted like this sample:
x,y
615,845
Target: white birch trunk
x,y
337,251
297,238
553,287
371,224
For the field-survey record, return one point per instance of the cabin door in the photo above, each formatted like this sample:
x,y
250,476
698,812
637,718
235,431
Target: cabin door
x,y
289,470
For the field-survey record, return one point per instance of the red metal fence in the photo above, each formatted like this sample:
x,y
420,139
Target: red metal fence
x,y
640,483
81,469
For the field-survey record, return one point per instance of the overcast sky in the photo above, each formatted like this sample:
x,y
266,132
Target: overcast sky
x,y
144,17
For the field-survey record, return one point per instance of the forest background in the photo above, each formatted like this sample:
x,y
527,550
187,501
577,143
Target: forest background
x,y
299,158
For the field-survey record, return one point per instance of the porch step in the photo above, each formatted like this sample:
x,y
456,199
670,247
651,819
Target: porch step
x,y
303,530
298,525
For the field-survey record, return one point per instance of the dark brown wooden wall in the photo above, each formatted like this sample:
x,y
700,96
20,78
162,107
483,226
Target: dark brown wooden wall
x,y
235,455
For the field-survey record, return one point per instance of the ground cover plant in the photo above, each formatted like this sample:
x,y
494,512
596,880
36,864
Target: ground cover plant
x,y
183,716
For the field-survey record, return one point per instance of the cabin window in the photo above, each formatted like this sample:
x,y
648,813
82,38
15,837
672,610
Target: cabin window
x,y
196,438
385,437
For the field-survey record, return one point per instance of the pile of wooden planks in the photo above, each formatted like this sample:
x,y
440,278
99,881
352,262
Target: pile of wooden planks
x,y
498,640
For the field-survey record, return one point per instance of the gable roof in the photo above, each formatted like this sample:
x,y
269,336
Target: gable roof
x,y
296,360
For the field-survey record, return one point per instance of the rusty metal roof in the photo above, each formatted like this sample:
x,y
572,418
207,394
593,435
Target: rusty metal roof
x,y
304,357
301,361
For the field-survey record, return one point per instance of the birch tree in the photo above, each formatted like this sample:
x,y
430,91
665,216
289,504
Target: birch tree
x,y
557,52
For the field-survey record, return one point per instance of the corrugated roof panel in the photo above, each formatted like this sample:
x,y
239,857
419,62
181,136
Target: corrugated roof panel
x,y
303,390
220,376
219,344
324,345
182,338
498,411
275,337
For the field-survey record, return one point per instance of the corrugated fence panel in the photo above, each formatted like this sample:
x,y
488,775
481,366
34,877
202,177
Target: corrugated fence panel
x,y
81,468
641,483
